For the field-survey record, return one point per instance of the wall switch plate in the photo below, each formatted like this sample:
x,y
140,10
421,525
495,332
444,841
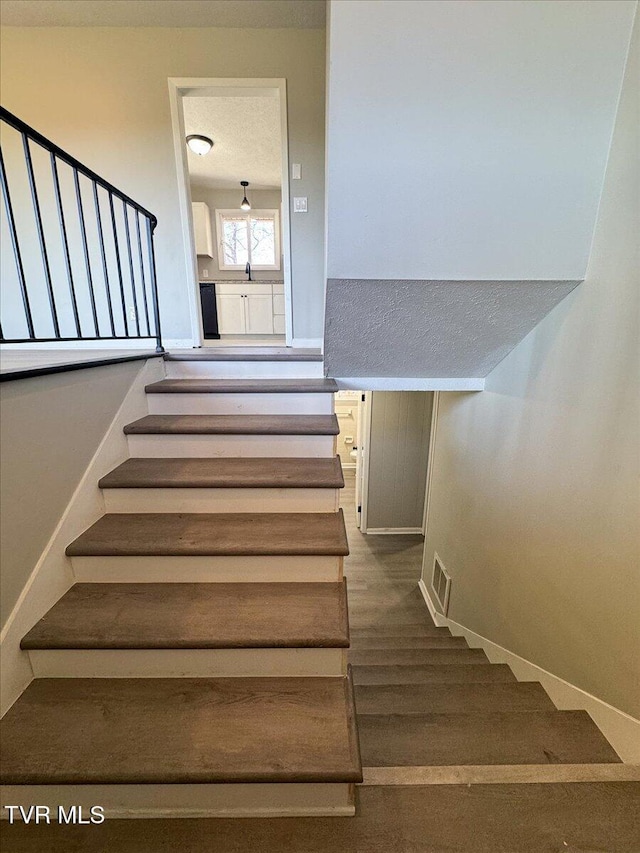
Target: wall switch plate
x,y
300,205
296,171
205,273
132,313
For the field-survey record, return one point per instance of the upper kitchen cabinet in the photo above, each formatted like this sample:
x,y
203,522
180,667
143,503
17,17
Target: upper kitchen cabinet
x,y
202,229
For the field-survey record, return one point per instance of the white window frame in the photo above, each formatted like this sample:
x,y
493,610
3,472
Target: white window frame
x,y
264,214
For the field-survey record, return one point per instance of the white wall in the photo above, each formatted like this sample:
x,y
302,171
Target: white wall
x,y
102,94
217,199
468,140
398,456
536,480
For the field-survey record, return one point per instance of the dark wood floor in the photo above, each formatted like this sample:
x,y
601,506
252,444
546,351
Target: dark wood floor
x,y
582,818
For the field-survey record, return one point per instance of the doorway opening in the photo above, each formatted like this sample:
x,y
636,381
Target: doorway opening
x,y
384,444
231,146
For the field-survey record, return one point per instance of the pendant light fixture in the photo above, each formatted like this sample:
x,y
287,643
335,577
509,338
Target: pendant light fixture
x,y
244,204
200,145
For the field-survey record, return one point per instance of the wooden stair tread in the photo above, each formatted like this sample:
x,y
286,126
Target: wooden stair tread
x,y
447,698
194,616
213,534
510,737
180,731
436,641
226,472
248,354
234,425
409,657
243,386
425,628
373,617
432,673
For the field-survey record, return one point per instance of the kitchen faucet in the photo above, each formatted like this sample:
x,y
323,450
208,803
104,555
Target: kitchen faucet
x,y
247,269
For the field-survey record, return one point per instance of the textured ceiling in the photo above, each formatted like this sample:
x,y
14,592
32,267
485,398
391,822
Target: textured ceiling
x,y
246,135
299,14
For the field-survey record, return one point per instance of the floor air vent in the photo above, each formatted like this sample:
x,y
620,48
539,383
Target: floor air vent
x,y
441,584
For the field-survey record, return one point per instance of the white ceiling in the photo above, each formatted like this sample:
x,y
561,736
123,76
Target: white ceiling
x,y
299,14
247,141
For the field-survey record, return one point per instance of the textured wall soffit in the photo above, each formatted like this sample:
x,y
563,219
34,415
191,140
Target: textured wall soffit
x,y
429,328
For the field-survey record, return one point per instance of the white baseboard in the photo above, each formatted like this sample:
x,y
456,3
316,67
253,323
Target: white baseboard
x,y
307,343
148,344
440,620
179,343
391,531
123,344
53,574
408,383
621,730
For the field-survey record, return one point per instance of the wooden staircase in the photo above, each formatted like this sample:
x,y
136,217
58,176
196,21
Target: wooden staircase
x,y
205,661
204,642
431,709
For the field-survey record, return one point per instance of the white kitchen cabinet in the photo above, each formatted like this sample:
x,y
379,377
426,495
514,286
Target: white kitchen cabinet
x,y
202,229
258,314
244,309
231,319
279,326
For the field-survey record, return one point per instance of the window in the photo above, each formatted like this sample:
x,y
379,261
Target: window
x,y
252,237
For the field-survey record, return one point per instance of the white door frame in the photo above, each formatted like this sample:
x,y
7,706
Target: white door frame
x,y
362,472
364,458
432,445
178,88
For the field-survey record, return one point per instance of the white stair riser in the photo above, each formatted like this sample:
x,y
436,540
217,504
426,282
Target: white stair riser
x,y
187,663
212,446
240,404
221,500
244,369
188,801
287,569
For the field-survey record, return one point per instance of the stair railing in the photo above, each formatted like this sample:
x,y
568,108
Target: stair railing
x,y
83,262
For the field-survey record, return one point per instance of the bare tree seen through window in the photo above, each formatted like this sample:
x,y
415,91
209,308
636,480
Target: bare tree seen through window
x,y
249,238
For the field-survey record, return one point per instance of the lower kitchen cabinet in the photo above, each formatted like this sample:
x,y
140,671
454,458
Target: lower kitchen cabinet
x,y
231,319
258,314
245,309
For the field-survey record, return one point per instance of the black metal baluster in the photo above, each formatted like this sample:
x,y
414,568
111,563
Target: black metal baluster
x,y
85,250
65,243
13,234
142,275
148,278
154,285
133,281
41,237
118,265
104,257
